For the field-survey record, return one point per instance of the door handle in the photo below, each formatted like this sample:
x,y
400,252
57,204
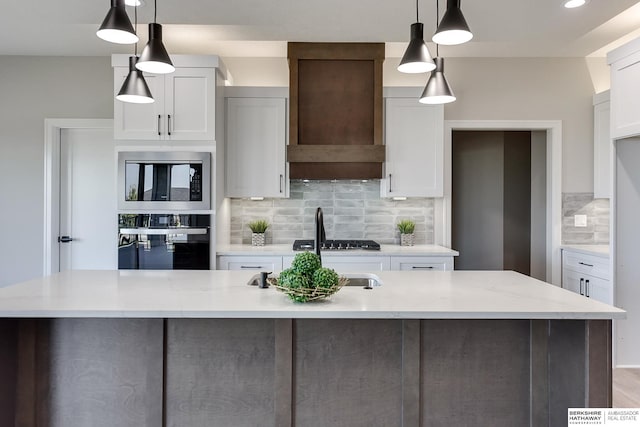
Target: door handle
x,y
281,179
64,239
390,183
581,286
159,118
169,124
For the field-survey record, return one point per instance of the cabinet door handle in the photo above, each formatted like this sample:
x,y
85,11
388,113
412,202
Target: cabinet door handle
x,y
586,287
422,267
585,264
390,183
251,267
169,124
281,181
581,286
159,118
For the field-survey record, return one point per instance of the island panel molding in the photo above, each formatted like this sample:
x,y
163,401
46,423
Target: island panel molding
x,y
311,372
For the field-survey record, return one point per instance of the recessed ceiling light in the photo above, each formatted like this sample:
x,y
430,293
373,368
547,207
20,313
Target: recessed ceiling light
x,y
570,4
133,2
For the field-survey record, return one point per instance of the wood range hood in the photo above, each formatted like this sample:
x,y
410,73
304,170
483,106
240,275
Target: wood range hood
x,y
335,115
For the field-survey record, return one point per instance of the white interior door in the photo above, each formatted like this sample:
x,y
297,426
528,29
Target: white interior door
x,y
88,216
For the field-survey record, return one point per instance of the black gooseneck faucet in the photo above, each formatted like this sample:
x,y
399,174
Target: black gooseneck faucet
x,y
320,234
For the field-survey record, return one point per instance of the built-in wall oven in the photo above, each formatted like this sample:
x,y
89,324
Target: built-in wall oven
x,y
164,180
164,242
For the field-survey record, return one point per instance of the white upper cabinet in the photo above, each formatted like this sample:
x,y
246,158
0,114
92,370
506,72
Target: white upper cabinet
x,y
256,139
184,107
414,140
625,90
602,146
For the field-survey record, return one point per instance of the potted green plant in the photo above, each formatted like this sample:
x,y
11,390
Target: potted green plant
x,y
406,228
258,228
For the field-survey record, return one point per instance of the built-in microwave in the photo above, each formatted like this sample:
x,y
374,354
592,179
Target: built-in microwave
x,y
165,180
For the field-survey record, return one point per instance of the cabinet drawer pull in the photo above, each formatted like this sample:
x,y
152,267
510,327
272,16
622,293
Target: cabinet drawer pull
x,y
251,266
586,287
390,183
159,118
169,124
281,179
420,267
585,264
581,286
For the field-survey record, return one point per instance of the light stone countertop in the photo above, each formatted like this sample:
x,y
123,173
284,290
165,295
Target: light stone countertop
x,y
225,294
596,250
287,249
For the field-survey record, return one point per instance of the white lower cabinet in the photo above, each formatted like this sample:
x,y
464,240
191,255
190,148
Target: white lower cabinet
x,y
587,275
348,263
250,263
340,263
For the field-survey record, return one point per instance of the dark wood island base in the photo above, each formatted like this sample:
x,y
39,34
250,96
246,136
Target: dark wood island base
x,y
300,372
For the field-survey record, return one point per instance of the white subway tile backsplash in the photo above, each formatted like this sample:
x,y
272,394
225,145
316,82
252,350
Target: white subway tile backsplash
x,y
351,210
597,211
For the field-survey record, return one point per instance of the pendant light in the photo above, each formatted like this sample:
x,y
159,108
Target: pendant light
x,y
116,27
437,90
135,89
453,28
416,58
154,57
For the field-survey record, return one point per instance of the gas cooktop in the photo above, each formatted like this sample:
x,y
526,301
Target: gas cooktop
x,y
307,245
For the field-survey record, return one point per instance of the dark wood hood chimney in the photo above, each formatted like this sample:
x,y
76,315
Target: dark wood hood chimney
x,y
335,116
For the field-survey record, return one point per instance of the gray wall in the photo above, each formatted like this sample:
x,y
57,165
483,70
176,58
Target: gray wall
x,y
352,210
35,88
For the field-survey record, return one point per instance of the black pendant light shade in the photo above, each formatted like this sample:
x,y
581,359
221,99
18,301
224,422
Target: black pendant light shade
x,y
135,89
416,58
437,90
116,27
453,28
154,57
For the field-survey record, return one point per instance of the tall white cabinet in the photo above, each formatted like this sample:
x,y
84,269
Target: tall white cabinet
x,y
256,139
625,203
414,141
602,146
184,107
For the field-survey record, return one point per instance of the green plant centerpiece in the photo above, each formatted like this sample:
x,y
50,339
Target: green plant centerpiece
x,y
307,280
406,228
258,228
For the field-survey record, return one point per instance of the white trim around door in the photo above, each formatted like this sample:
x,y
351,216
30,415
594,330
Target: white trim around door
x,y
52,129
553,129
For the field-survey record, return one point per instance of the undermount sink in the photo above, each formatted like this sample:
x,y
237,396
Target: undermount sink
x,y
366,280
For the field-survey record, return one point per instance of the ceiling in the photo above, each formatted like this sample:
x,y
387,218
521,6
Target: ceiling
x,y
502,28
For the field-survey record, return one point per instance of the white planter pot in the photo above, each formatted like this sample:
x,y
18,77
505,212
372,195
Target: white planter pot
x,y
406,239
257,239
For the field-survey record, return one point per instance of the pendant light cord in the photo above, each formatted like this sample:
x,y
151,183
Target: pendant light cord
x,y
417,16
437,19
135,29
155,11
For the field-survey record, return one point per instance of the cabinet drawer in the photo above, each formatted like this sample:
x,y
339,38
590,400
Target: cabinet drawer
x,y
421,263
250,263
587,264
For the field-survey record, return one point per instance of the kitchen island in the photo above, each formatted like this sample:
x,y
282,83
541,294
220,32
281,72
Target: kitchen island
x,y
202,348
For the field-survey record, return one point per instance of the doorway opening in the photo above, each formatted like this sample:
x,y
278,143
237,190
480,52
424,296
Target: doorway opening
x,y
552,129
498,200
